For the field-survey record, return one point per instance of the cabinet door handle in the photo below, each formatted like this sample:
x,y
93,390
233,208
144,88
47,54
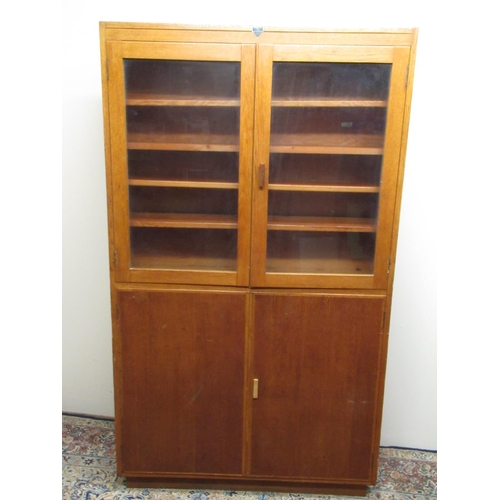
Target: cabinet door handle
x,y
262,175
255,388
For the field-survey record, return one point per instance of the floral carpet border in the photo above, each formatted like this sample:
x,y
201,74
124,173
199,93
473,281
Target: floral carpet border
x,y
89,472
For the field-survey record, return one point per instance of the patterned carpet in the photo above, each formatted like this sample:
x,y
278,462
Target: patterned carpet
x,y
89,473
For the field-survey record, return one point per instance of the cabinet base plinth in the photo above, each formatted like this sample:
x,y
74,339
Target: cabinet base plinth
x,y
247,485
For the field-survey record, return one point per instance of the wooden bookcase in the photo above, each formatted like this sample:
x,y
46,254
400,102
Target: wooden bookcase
x,y
254,183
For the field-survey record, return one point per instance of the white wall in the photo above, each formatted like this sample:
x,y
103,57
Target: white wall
x,y
410,406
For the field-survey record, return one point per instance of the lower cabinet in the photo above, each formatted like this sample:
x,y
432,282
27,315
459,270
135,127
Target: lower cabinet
x,y
248,387
181,394
316,358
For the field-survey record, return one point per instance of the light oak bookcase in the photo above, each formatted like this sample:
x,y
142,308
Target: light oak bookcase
x,y
254,183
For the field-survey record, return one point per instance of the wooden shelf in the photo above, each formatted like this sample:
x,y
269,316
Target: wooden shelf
x,y
326,224
272,187
202,221
156,99
355,144
318,266
183,142
327,102
358,144
324,188
185,262
183,184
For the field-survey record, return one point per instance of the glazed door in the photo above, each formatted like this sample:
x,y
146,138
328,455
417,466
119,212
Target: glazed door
x,y
180,358
316,370
181,118
328,141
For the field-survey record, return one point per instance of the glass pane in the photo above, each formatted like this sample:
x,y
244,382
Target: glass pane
x,y
314,252
182,201
183,156
326,205
331,80
182,79
183,166
182,128
298,170
327,137
183,249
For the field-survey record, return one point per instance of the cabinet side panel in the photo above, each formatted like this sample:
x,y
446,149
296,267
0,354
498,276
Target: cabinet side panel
x,y
107,147
316,359
182,355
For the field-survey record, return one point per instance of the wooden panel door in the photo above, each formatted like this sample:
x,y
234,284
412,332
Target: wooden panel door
x,y
328,144
179,358
181,121
316,359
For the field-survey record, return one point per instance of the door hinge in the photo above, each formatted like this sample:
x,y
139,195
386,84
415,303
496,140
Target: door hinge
x,y
114,259
107,71
388,265
407,75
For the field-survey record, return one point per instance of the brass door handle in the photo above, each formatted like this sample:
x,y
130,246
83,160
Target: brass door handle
x,y
255,392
